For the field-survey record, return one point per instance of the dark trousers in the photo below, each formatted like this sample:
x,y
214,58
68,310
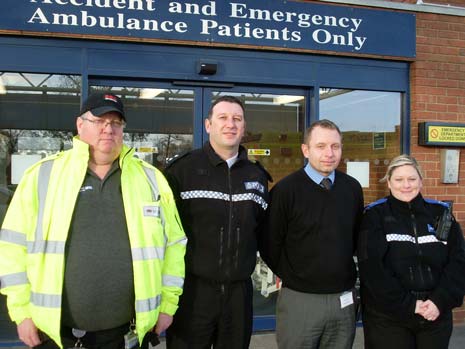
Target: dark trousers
x,y
105,339
212,314
384,332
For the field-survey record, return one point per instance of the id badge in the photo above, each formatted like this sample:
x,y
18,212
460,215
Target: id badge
x,y
346,299
130,340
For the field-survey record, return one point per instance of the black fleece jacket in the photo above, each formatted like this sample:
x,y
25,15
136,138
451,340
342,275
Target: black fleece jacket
x,y
400,256
221,209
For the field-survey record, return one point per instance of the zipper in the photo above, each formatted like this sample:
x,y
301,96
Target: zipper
x,y
419,251
228,270
430,273
410,269
236,255
220,260
414,226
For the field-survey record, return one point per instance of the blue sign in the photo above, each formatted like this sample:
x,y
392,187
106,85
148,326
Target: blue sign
x,y
294,25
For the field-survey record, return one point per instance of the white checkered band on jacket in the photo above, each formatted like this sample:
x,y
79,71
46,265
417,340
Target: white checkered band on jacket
x,y
408,238
209,194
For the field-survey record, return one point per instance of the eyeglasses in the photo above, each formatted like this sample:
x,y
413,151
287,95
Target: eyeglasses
x,y
102,123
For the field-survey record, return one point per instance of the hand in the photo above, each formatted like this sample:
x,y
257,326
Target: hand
x,y
164,321
429,310
27,332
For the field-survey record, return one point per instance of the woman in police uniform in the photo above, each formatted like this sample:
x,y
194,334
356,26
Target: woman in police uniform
x,y
412,265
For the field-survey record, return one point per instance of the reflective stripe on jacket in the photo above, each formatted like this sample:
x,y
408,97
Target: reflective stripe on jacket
x,y
35,229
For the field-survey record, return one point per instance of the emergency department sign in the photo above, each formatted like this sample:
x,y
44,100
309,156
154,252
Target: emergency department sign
x,y
273,24
437,133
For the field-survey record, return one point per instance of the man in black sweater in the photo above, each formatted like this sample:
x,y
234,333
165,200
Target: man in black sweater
x,y
309,243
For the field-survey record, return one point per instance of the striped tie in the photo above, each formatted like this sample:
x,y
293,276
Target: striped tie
x,y
326,183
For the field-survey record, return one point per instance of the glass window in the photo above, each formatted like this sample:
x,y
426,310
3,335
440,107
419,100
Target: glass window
x,y
37,117
370,123
159,121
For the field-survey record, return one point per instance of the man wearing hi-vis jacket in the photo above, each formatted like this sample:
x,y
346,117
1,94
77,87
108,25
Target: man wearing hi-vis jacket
x,y
92,249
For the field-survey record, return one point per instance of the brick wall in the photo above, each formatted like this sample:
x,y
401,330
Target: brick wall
x,y
438,94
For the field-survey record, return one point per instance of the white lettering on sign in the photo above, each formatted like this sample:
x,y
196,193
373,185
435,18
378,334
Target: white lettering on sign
x,y
303,20
119,22
140,5
193,9
246,30
242,20
322,36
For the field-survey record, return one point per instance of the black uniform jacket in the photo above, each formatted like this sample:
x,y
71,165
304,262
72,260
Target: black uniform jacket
x,y
221,209
401,259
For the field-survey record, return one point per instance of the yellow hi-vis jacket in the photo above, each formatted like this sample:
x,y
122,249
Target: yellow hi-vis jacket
x,y
35,229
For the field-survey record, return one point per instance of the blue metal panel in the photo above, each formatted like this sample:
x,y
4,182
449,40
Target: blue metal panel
x,y
179,63
274,23
40,59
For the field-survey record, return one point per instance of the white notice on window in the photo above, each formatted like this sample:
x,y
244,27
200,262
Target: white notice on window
x,y
360,170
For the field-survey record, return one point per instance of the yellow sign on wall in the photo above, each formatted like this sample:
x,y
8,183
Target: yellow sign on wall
x,y
441,134
446,134
259,152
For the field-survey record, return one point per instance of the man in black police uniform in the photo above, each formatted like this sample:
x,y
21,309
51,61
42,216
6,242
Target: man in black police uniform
x,y
222,197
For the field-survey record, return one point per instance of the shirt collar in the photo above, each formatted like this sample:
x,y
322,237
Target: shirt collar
x,y
316,176
232,160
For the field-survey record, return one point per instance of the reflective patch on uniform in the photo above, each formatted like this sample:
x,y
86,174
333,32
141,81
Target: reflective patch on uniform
x,y
431,229
255,186
251,197
204,194
151,211
209,194
86,188
408,238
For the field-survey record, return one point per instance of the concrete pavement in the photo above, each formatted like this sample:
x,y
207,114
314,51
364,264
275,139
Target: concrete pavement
x,y
268,341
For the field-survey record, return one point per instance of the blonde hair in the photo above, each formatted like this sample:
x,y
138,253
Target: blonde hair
x,y
401,160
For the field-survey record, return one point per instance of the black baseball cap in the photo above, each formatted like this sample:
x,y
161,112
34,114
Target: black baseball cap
x,y
99,103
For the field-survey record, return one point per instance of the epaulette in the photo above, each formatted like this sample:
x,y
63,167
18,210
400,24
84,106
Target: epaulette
x,y
437,202
267,174
176,158
375,203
